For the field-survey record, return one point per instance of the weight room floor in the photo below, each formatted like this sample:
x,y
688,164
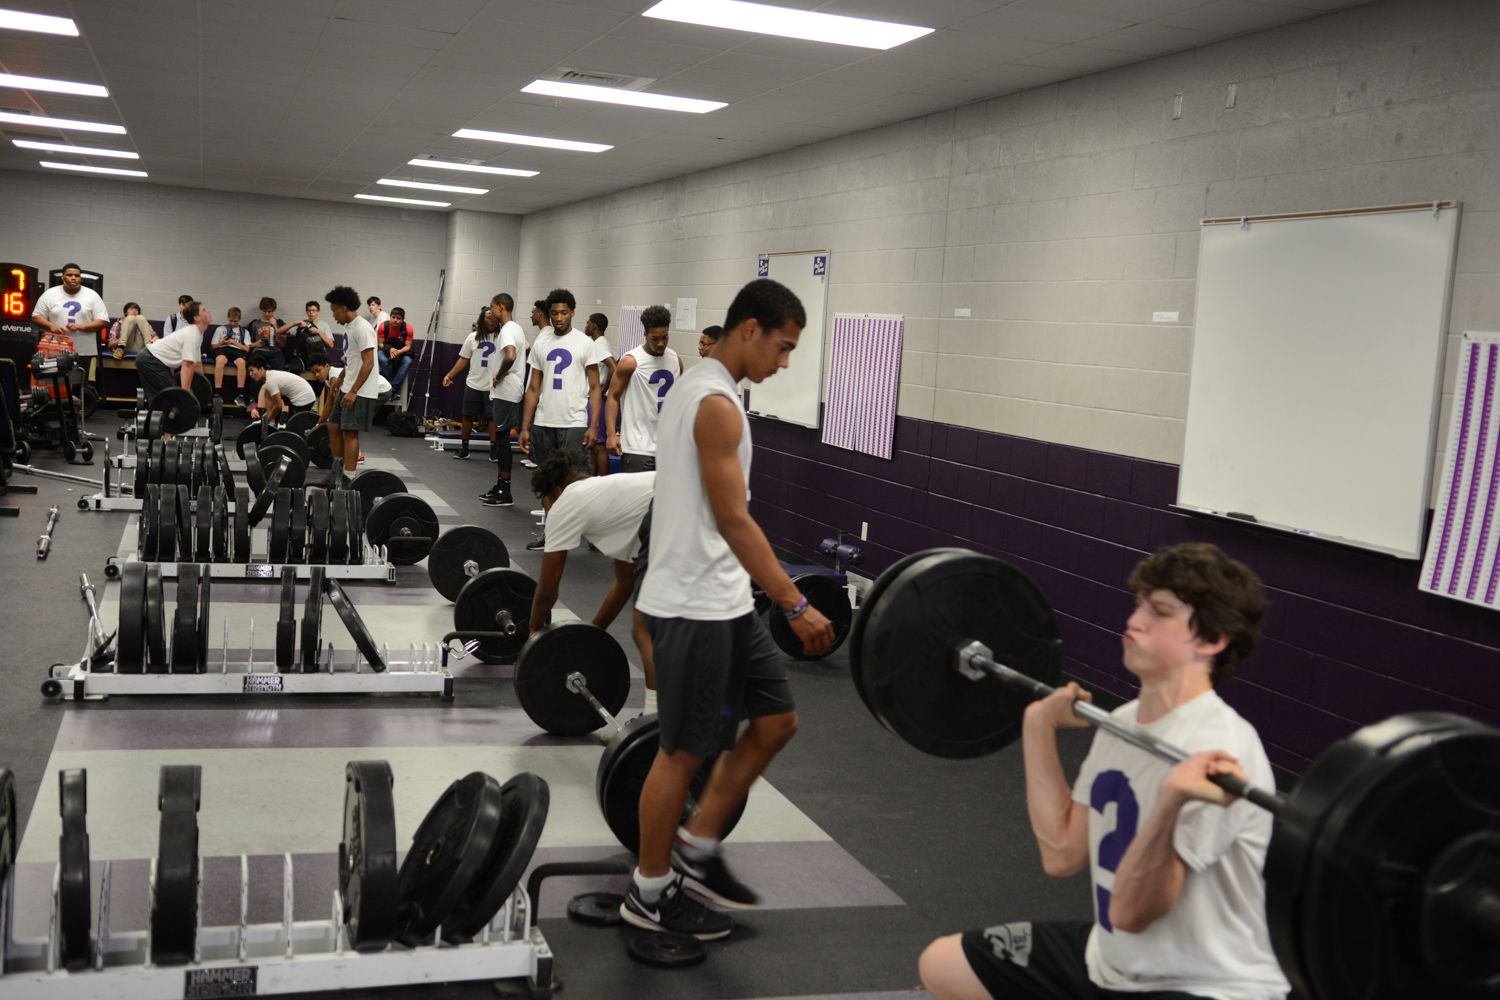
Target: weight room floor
x,y
863,848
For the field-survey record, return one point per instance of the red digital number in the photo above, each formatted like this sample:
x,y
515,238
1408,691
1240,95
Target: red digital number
x,y
15,303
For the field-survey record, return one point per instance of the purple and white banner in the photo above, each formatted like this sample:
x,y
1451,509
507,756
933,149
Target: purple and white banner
x,y
865,374
632,334
1463,550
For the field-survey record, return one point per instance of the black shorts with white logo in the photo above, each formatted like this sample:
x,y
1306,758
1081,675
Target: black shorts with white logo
x,y
1043,961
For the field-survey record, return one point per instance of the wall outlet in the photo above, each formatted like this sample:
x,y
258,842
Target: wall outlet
x,y
963,313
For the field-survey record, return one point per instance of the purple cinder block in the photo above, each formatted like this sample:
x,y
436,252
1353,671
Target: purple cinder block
x,y
1297,726
942,478
1389,648
1168,528
973,485
1153,483
1280,667
1067,466
1006,493
1028,458
1464,670
1072,595
912,469
1109,474
1083,512
1060,547
963,445
949,516
1024,538
1127,523
1043,502
987,528
993,451
938,447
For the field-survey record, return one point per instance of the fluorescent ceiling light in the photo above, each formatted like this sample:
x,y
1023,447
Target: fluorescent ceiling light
x,y
473,167
62,124
613,95
764,19
20,21
94,170
433,187
403,201
62,147
531,140
56,86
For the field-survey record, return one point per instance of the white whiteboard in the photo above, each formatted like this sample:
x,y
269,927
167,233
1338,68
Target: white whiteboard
x,y
1317,372
793,394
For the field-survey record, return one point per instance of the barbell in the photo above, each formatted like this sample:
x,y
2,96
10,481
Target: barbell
x,y
1383,872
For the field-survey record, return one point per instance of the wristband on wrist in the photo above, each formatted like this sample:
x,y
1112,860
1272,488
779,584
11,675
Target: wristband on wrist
x,y
798,611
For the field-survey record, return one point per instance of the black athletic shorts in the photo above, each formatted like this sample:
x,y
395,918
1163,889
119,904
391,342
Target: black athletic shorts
x,y
710,676
1042,961
637,463
229,354
359,417
643,555
476,402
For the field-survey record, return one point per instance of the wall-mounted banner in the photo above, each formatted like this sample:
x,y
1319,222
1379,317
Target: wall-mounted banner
x,y
820,265
864,377
763,266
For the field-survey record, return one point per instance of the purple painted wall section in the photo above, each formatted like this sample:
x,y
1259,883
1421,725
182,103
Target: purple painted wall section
x,y
1349,639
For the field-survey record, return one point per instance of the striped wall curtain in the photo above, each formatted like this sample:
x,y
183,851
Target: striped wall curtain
x,y
865,373
632,334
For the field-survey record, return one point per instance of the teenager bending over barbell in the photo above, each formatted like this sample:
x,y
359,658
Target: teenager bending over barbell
x,y
612,512
1175,861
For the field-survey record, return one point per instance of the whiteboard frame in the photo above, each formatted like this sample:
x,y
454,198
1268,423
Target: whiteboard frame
x,y
1192,486
820,331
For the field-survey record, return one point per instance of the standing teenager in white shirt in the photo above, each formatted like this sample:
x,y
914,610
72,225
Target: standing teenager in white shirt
x,y
640,385
355,409
604,357
479,355
1179,898
505,397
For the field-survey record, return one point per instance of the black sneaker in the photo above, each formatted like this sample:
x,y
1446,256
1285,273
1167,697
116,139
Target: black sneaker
x,y
239,401
676,913
537,544
494,456
462,453
489,492
712,878
498,500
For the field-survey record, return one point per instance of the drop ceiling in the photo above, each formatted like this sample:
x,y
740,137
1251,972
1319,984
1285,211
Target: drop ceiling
x,y
321,98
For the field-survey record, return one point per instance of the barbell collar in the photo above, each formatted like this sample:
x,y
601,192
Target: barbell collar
x,y
471,568
578,685
506,622
974,661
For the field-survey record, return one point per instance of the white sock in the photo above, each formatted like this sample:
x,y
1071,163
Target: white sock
x,y
650,708
697,847
652,888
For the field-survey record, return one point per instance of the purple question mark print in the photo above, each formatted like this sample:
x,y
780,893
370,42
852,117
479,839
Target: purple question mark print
x,y
73,308
563,359
486,349
1113,786
662,379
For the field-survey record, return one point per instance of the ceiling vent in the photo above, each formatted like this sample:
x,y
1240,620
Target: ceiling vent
x,y
596,79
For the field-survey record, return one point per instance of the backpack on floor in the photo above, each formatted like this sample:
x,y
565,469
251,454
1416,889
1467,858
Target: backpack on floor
x,y
403,423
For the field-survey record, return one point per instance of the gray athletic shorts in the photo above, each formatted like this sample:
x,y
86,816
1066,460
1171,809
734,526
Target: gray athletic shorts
x,y
476,401
546,440
712,675
359,417
637,463
507,415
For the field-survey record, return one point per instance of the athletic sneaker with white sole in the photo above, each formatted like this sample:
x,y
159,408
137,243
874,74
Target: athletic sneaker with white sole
x,y
713,879
675,912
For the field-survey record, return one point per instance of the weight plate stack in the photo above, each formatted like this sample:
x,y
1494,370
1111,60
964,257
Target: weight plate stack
x,y
320,447
226,474
169,462
286,623
178,408
523,813
184,461
856,631
355,624
448,851
166,524
555,652
448,563
302,422
158,460
73,893
185,621
338,531
250,435
622,774
280,535
254,473
296,550
829,597
241,524
497,600
318,519
156,623
9,840
203,523
372,484
147,523
142,468
267,495
205,598
130,643
271,455
220,525
312,622
288,438
405,524
174,909
368,879
184,523
356,529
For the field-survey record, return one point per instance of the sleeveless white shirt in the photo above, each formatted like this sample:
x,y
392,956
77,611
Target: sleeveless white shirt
x,y
641,403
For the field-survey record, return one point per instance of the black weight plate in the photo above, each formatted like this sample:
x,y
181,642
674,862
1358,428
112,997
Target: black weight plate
x,y
226,474
667,951
184,461
216,421
158,459
255,473
179,410
497,600
296,546
296,466
622,774
166,524
286,622
150,522
1453,947
372,484
356,553
352,621
448,851
191,456
203,523
368,879
302,422
73,895
241,524
268,495
312,622
763,602
558,650
828,596
9,841
169,462
455,548
205,462
400,522
938,604
220,515
317,527
203,391
250,435
281,526
142,467
525,800
289,439
1400,806
184,523
320,446
185,621
130,644
598,909
205,599
338,527
857,630
155,619
174,909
